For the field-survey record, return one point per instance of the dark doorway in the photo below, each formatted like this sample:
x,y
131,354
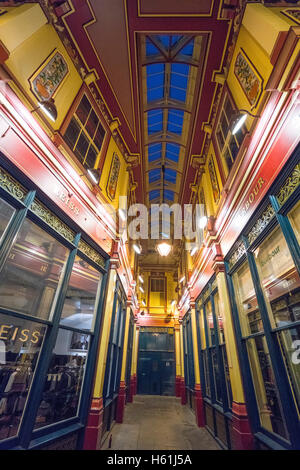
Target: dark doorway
x,y
156,362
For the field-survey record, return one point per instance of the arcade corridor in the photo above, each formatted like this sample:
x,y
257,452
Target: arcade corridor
x,y
150,224
159,423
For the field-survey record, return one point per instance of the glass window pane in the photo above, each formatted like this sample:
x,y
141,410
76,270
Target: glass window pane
x,y
278,276
99,136
210,324
294,217
91,158
20,344
233,148
228,159
228,109
206,373
216,374
227,376
267,396
92,124
219,318
82,296
6,213
63,383
249,314
81,147
33,269
289,341
72,133
83,109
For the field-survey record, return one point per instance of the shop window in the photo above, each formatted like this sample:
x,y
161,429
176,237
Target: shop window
x,y
6,213
266,391
157,292
62,389
294,217
85,134
33,269
228,144
20,344
81,297
281,286
189,371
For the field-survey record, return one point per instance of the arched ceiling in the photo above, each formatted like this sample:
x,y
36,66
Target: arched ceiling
x,y
156,64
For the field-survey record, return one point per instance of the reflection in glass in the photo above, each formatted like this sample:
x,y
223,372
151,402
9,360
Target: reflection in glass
x,y
267,397
294,217
82,295
6,213
227,376
210,323
20,344
206,373
278,277
249,314
33,269
290,351
219,318
216,374
62,389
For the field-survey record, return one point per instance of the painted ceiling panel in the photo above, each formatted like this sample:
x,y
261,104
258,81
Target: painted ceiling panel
x,y
110,29
175,7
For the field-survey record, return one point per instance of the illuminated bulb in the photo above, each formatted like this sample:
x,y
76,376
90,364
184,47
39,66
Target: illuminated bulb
x,y
173,303
238,123
194,251
164,249
122,214
202,222
143,303
141,289
137,248
182,279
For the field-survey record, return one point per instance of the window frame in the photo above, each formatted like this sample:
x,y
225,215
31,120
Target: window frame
x,y
27,437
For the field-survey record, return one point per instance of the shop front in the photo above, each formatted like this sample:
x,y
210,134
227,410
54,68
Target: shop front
x,y
264,284
52,282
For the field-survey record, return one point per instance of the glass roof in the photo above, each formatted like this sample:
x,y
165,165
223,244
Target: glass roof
x,y
169,59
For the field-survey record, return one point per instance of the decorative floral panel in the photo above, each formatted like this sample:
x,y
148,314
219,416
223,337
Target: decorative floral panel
x,y
46,80
248,77
113,176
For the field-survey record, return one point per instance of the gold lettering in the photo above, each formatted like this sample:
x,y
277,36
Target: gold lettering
x,y
25,335
4,329
15,334
35,335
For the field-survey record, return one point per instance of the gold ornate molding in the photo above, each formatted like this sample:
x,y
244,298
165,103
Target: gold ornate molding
x,y
9,184
91,253
52,220
290,185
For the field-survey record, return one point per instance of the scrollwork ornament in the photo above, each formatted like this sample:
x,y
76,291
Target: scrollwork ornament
x,y
261,223
290,185
9,184
54,222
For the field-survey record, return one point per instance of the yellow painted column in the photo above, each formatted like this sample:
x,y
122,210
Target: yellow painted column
x,y
93,432
241,432
122,389
104,338
124,359
199,405
177,360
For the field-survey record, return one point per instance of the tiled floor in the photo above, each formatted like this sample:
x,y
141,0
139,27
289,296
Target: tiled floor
x,y
159,423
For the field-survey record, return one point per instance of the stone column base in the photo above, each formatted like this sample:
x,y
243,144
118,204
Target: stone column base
x,y
242,438
199,407
182,391
121,403
93,431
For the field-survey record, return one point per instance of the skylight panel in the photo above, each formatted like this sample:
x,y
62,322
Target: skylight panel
x,y
170,175
168,195
154,175
151,49
172,152
188,49
179,81
164,39
155,121
175,121
155,81
154,152
154,194
175,39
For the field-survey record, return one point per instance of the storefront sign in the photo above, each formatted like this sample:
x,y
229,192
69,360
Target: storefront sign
x,y
66,199
251,198
15,333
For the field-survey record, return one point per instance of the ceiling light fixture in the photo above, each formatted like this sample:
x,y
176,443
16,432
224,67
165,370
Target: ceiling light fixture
x,y
141,289
202,222
137,248
49,108
193,251
141,279
94,175
163,249
239,119
143,303
181,279
173,303
122,214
